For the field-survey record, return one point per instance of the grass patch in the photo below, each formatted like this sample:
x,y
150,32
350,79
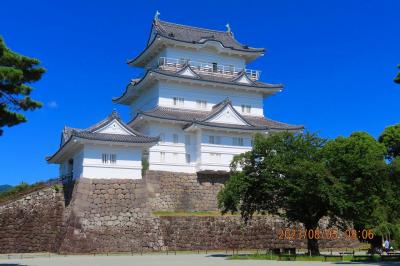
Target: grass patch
x,y
187,213
24,189
286,257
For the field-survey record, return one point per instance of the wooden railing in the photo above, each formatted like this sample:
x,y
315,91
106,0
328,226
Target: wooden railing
x,y
207,68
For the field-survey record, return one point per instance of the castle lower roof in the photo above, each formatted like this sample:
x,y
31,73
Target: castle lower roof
x,y
92,133
128,96
202,118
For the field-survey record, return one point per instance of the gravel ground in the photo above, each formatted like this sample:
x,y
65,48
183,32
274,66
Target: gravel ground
x,y
154,260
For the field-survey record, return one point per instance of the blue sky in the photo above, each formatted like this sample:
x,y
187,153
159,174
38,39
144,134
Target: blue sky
x,y
337,60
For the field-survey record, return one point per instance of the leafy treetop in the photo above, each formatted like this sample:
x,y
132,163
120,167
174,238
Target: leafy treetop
x,y
390,137
16,72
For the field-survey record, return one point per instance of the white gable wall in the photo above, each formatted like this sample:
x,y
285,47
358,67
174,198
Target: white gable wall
x,y
114,128
227,116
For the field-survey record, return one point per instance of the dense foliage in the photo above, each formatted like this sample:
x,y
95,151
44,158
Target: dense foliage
x,y
391,139
16,72
303,178
397,79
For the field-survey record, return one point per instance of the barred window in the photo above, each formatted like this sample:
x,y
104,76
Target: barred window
x,y
246,109
104,158
214,139
178,101
237,141
201,104
109,158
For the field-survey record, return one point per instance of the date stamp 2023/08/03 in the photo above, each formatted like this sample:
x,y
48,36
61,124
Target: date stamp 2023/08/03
x,y
327,234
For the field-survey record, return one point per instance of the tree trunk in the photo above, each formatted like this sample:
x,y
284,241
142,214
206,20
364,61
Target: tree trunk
x,y
312,241
312,246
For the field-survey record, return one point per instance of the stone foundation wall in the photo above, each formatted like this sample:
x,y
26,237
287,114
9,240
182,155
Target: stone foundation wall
x,y
229,232
109,215
180,191
32,223
116,215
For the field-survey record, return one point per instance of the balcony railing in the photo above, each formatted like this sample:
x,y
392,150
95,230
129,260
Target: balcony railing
x,y
206,68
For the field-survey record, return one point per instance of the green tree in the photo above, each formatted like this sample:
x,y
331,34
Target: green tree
x,y
16,72
390,137
366,194
397,79
284,174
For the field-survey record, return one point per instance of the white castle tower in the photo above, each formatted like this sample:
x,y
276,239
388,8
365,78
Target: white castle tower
x,y
196,106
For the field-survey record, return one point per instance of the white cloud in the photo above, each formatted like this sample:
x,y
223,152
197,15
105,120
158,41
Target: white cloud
x,y
52,104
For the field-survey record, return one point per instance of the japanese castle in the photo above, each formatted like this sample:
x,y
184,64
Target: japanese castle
x,y
196,106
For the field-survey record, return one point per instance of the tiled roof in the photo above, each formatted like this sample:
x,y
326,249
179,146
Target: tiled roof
x,y
69,133
200,77
191,34
89,133
200,117
220,79
114,137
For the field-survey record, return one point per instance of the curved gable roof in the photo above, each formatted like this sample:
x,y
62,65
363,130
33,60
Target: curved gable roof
x,y
93,133
195,35
191,36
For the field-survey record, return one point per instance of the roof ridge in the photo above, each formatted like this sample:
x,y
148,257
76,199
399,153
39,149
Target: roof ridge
x,y
193,27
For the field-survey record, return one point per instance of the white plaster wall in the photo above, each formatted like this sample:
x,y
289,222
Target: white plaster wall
x,y
167,91
225,149
128,164
199,149
63,170
175,153
77,164
146,101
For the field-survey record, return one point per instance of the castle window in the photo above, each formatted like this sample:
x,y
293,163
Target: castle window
x,y
201,104
104,158
214,139
246,109
178,101
236,141
108,158
187,156
113,158
162,156
215,67
175,138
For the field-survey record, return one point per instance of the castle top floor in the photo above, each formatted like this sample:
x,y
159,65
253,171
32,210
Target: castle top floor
x,y
209,51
